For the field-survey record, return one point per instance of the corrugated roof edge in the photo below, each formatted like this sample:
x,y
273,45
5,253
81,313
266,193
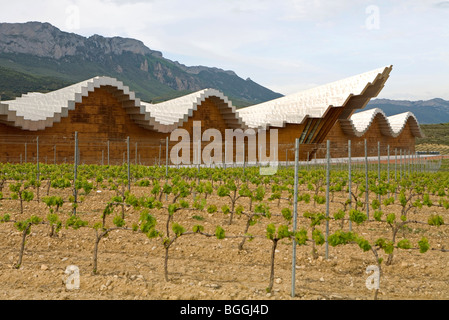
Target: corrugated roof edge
x,y
392,126
380,75
66,99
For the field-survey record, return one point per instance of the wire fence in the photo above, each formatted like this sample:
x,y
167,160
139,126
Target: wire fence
x,y
163,152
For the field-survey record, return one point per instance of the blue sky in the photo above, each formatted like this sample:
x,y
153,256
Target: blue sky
x,y
285,45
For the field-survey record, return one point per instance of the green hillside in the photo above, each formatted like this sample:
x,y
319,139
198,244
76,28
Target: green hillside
x,y
436,138
434,134
74,69
14,83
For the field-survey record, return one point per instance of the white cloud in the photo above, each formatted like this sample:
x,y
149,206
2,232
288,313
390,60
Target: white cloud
x,y
285,44
315,10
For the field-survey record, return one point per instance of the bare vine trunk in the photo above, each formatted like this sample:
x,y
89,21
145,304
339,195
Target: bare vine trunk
x,y
166,264
248,223
273,253
95,256
22,247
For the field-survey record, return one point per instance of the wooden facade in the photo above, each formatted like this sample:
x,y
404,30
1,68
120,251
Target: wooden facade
x,y
103,126
98,119
375,134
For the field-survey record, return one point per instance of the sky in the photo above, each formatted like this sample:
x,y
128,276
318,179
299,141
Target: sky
x,y
284,45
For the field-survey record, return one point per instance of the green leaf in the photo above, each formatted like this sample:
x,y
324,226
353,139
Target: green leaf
x,y
319,199
35,220
225,209
212,208
402,199
53,218
5,218
147,222
283,232
375,204
172,208
305,198
391,218
287,214
49,201
315,218
21,225
118,221
97,226
423,245
341,238
108,209
404,244
363,243
239,210
357,216
271,230
318,237
386,245
75,222
223,191
445,204
167,189
178,229
340,214
378,215
259,193
199,205
132,200
426,200
219,232
301,236
435,220
198,228
262,209
158,204
15,187
184,204
388,201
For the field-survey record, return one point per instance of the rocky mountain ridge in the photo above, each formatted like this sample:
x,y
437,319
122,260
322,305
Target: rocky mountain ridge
x,y
40,49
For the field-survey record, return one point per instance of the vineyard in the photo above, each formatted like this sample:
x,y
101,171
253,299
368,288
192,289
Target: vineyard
x,y
192,233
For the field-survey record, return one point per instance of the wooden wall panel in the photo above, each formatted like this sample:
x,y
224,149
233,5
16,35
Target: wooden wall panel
x,y
99,118
339,141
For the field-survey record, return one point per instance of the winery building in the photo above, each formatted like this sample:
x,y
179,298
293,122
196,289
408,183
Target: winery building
x,y
110,121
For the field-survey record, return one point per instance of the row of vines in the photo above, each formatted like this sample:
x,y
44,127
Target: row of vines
x,y
161,197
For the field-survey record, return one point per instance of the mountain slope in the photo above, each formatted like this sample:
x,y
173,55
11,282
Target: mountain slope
x,y
13,83
41,50
427,112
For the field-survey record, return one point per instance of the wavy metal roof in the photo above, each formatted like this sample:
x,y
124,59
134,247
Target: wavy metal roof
x,y
173,113
36,111
392,126
315,102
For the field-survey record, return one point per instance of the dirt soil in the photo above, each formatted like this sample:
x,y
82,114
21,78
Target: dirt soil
x,y
130,266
